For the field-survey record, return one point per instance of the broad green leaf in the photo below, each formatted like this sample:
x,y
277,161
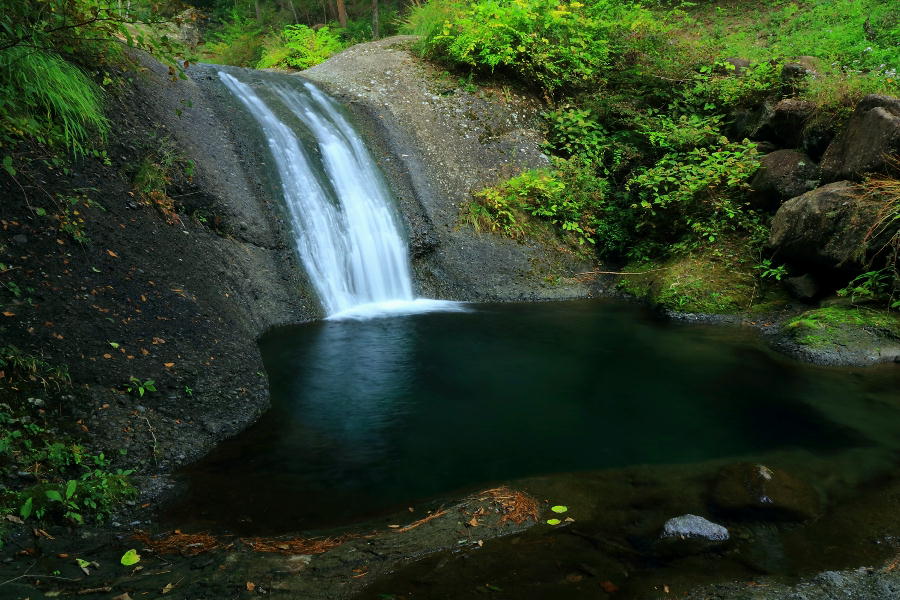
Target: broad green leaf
x,y
559,508
54,495
25,509
131,558
553,521
70,488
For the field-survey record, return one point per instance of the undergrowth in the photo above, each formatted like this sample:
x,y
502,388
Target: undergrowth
x,y
46,475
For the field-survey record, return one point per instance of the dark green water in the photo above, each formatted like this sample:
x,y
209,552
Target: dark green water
x,y
370,416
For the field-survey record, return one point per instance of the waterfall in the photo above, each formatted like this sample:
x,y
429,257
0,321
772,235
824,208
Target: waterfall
x,y
345,227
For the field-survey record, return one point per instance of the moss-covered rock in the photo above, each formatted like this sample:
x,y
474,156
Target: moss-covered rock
x,y
710,281
845,335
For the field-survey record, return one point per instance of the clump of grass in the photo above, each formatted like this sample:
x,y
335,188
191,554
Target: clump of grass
x,y
49,99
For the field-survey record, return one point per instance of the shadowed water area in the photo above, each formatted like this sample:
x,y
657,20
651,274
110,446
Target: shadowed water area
x,y
370,416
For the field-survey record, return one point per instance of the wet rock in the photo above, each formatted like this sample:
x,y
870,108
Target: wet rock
x,y
755,491
694,527
763,550
689,534
785,122
802,288
868,141
824,228
794,74
783,174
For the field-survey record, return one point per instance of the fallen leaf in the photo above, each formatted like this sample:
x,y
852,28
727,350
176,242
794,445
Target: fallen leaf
x,y
609,587
131,558
473,522
559,509
251,586
480,543
42,533
113,254
6,313
107,356
14,519
394,526
168,365
124,596
168,588
553,521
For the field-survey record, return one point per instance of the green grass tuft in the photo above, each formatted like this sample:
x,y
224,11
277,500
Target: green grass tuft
x,y
50,99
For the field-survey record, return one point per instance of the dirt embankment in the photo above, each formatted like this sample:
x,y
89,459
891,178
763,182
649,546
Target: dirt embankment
x,y
438,139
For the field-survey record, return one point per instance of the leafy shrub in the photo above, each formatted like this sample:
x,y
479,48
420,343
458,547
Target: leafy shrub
x,y
301,47
567,196
574,131
554,44
698,192
238,42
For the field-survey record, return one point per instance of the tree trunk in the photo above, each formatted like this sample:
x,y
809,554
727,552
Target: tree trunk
x,y
293,10
375,24
342,12
258,12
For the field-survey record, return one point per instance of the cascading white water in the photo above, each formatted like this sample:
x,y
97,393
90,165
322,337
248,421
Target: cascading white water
x,y
346,232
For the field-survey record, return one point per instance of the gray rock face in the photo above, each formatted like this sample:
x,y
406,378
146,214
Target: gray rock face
x,y
694,527
864,146
783,174
437,144
755,491
824,228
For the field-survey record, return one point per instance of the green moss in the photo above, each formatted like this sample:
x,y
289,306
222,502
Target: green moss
x,y
843,326
718,280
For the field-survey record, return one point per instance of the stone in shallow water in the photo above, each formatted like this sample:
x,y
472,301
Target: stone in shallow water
x,y
694,527
748,490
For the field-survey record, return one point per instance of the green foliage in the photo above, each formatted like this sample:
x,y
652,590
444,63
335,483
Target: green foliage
x,y
556,45
698,192
70,484
767,270
842,326
22,366
139,388
238,41
574,131
49,99
44,94
566,196
301,47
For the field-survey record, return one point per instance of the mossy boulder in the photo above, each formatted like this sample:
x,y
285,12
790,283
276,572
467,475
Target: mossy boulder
x,y
845,335
782,175
867,143
709,281
825,229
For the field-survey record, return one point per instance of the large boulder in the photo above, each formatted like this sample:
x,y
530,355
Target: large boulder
x,y
783,174
868,142
755,491
825,228
785,122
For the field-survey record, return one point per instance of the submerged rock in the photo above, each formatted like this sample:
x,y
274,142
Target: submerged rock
x,y
748,490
